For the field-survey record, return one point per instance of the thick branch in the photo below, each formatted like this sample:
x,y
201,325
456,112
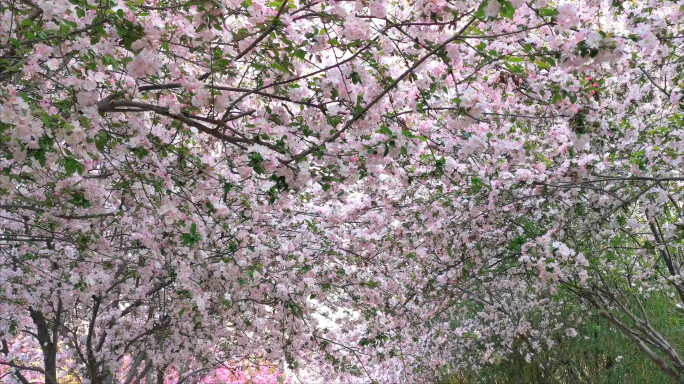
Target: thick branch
x,y
49,349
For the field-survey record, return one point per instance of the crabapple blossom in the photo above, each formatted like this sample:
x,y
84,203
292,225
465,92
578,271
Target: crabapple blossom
x,y
281,191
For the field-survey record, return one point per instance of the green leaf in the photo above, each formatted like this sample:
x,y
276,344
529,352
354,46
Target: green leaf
x,y
79,199
476,184
516,245
24,96
506,9
101,141
140,152
192,238
548,12
259,169
386,130
70,167
40,156
514,68
280,68
481,10
312,225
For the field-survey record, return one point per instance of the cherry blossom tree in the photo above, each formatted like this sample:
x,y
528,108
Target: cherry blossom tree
x,y
357,191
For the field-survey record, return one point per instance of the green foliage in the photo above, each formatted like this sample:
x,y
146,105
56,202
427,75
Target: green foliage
x,y
192,238
599,354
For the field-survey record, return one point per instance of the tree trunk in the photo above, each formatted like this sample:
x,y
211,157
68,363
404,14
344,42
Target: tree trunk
x,y
48,347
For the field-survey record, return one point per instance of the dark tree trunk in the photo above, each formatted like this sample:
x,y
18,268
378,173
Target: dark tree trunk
x,y
46,344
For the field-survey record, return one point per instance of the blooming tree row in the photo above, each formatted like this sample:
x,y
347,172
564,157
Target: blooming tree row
x,y
352,190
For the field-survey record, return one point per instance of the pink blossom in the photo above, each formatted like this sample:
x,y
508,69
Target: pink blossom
x,y
144,63
356,28
567,16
